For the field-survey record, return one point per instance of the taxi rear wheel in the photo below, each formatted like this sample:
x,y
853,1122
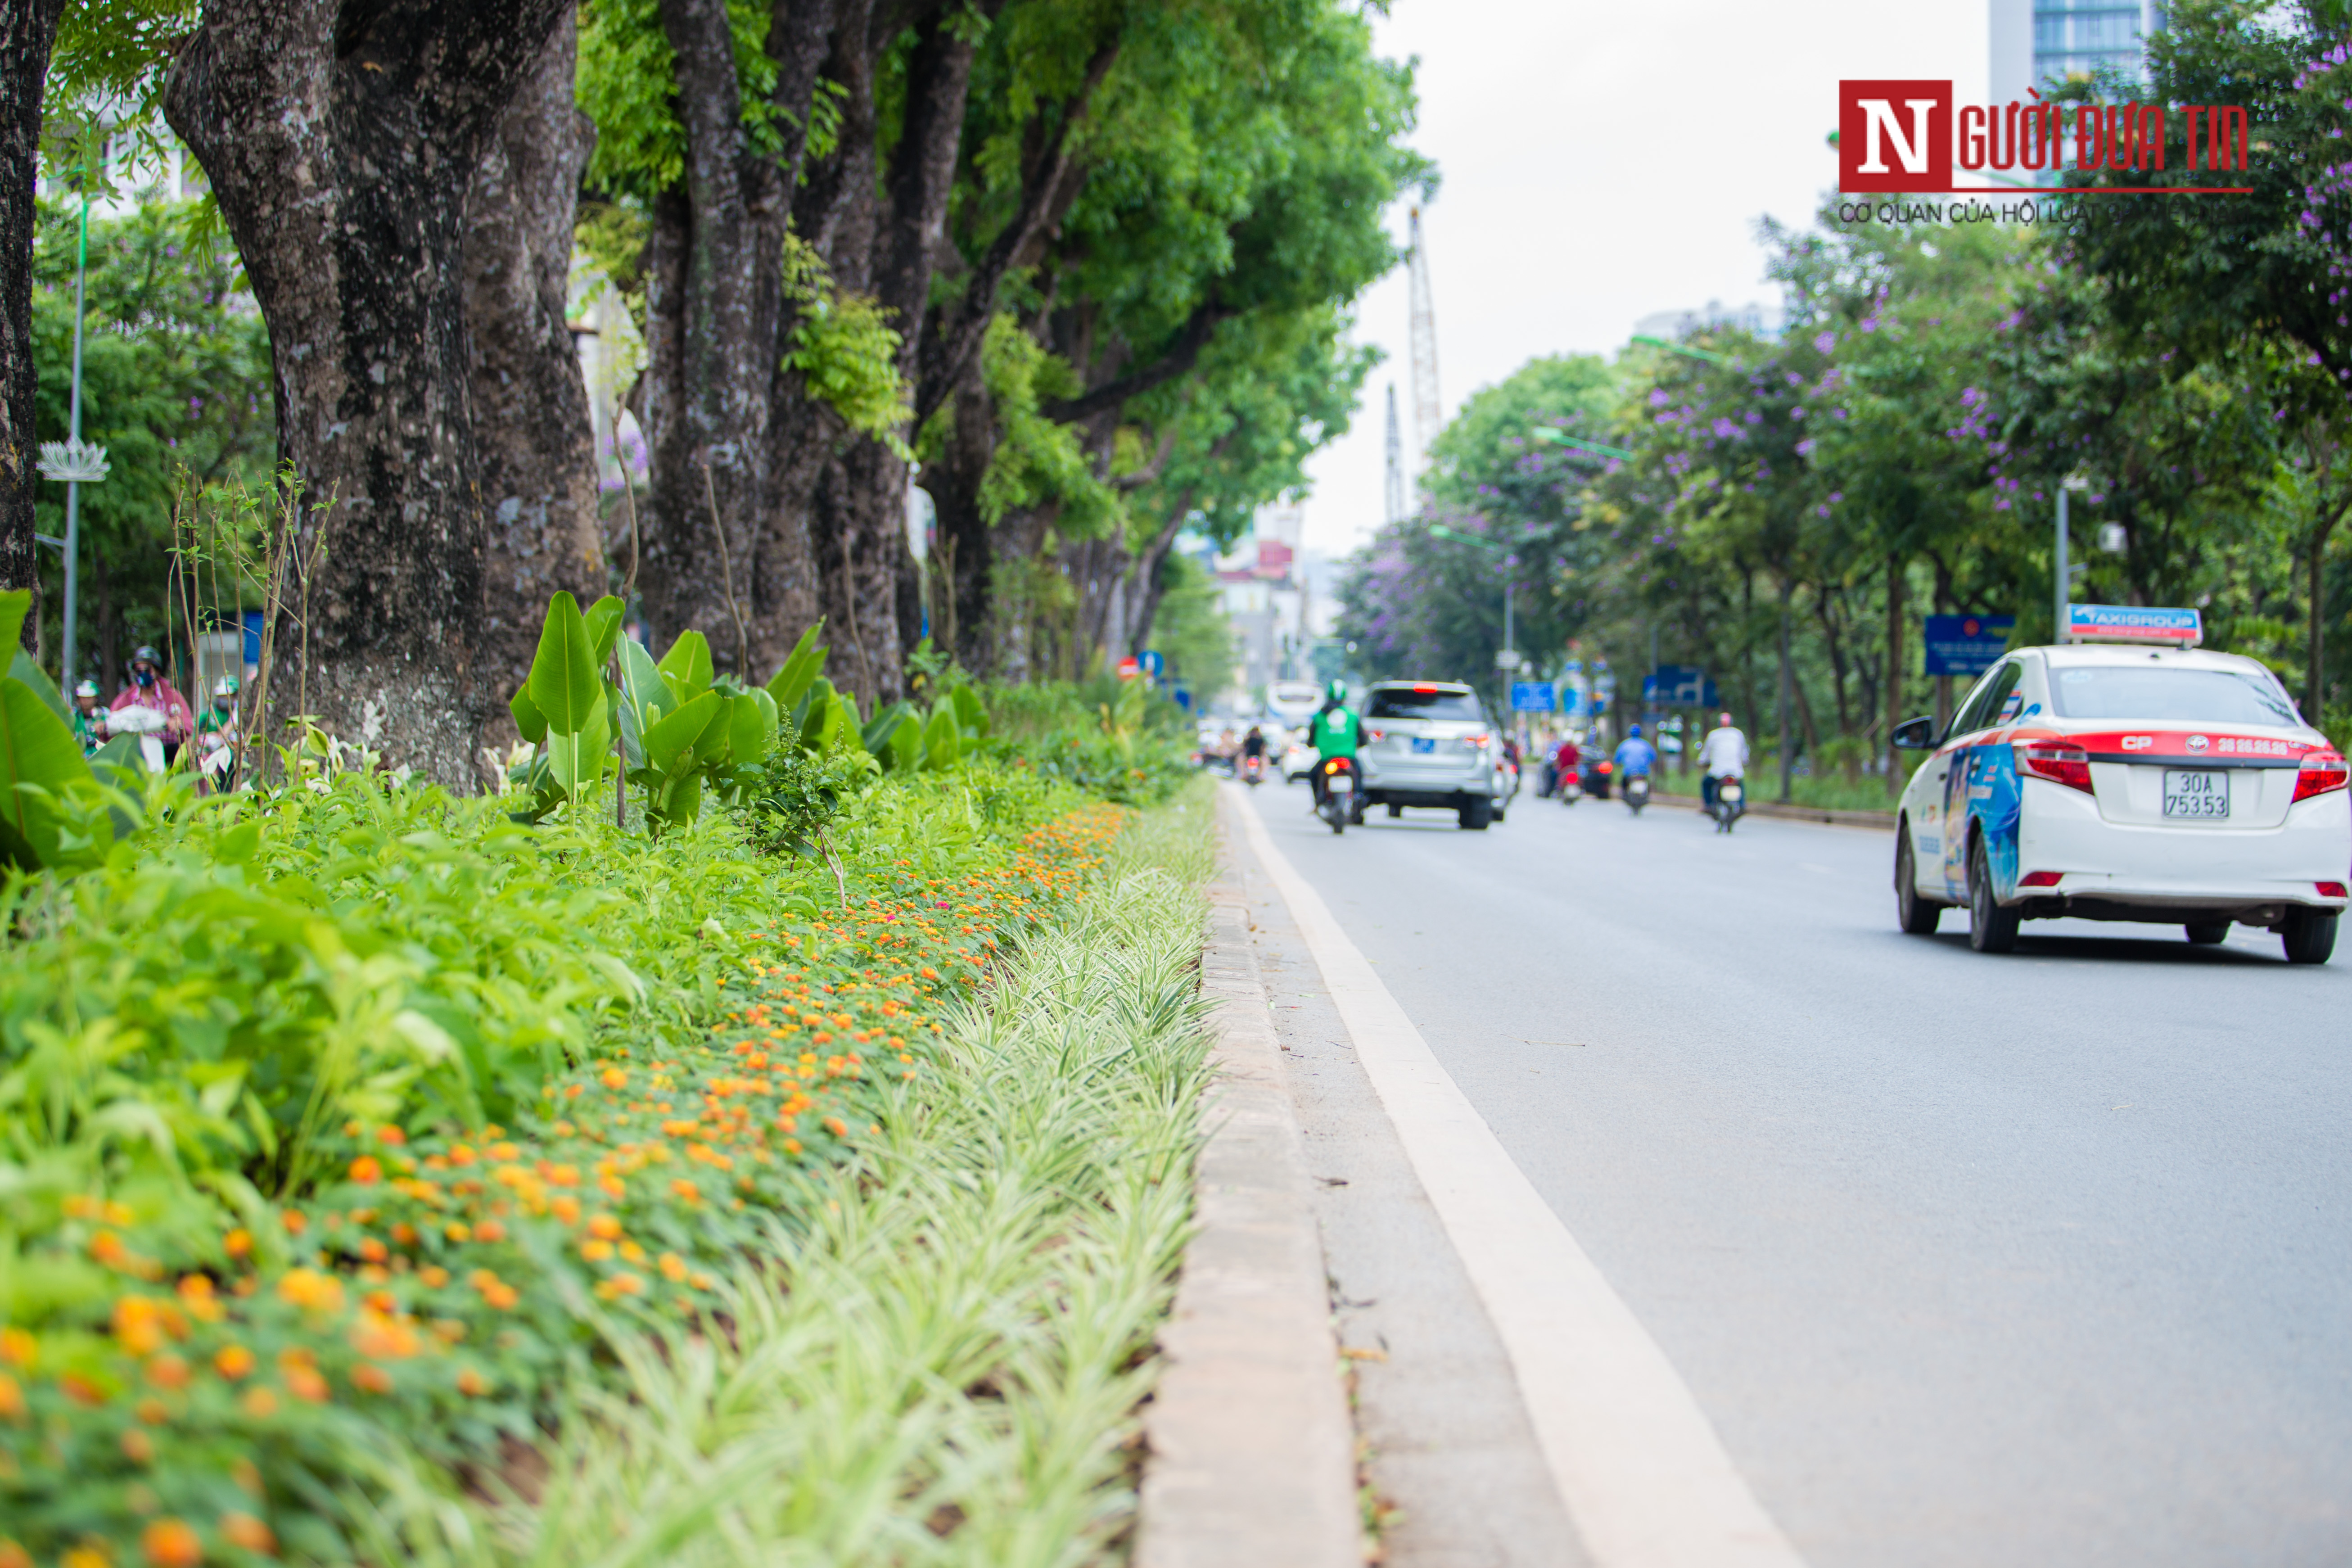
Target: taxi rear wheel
x,y
1991,929
2309,935
1916,915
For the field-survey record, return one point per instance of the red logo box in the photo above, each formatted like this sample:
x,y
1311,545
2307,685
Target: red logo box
x,y
1894,136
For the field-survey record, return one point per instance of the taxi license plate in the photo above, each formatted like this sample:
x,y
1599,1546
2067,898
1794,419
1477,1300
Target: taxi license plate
x,y
2188,794
1423,745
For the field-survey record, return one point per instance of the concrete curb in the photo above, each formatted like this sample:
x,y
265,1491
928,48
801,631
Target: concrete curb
x,y
1251,1450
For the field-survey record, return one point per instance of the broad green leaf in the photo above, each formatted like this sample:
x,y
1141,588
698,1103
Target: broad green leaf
x,y
877,730
14,605
750,728
942,739
563,682
37,748
906,744
820,714
527,716
971,712
23,668
578,761
602,620
642,683
791,683
670,744
687,666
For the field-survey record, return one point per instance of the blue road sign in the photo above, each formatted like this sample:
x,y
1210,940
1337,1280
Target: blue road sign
x,y
1531,695
1678,686
1967,645
1150,663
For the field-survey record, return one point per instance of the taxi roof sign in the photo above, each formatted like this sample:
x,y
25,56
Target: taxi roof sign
x,y
2134,623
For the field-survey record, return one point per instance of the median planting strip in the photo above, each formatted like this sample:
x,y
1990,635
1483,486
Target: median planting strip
x,y
386,1178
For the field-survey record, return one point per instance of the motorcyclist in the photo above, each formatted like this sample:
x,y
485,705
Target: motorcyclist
x,y
148,689
1635,756
1334,732
1253,753
1567,760
216,733
1722,755
88,718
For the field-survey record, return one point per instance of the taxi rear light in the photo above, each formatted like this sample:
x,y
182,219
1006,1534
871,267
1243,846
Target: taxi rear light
x,y
2330,890
2040,879
1376,735
2321,772
1477,741
2060,763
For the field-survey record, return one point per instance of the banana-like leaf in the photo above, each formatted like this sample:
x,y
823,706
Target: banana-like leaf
x,y
527,716
819,714
642,685
791,683
603,619
687,666
877,731
942,739
37,748
906,744
14,605
563,684
971,712
23,668
750,728
671,745
577,761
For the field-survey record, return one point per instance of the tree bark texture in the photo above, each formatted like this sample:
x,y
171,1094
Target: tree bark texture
x,y
341,138
1896,571
531,428
29,31
716,313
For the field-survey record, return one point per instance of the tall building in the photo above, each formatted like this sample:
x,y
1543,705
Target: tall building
x,y
2038,41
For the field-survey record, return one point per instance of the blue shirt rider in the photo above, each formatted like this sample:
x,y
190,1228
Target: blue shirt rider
x,y
1635,756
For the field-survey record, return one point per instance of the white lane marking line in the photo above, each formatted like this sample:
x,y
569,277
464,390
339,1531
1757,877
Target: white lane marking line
x,y
1636,1460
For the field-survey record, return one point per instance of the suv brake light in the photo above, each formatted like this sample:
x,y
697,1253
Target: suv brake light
x,y
2321,772
1376,735
1476,742
2057,762
2040,879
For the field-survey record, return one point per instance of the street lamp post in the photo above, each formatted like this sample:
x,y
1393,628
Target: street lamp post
x,y
72,462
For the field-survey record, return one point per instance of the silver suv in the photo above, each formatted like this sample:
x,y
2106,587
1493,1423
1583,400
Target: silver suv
x,y
1428,742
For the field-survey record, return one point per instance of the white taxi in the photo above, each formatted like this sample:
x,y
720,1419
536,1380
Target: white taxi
x,y
2133,778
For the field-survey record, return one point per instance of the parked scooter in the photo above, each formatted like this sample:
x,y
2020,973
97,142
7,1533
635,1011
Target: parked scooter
x,y
1341,803
1636,790
1730,803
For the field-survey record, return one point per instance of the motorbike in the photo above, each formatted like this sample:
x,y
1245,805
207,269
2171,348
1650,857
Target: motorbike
x,y
1636,790
1571,786
147,723
1341,803
1730,803
1253,770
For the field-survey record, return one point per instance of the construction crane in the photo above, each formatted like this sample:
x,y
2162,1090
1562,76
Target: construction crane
x,y
1396,507
1426,416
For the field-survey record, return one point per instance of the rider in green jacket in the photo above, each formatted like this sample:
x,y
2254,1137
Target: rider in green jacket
x,y
1335,731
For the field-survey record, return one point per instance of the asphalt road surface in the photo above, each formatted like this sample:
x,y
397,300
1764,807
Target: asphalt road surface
x,y
2042,1258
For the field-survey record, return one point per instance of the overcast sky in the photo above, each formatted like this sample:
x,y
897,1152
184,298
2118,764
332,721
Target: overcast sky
x,y
1603,161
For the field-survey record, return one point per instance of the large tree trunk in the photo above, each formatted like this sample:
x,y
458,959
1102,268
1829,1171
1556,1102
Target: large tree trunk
x,y
341,139
530,402
28,30
716,289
